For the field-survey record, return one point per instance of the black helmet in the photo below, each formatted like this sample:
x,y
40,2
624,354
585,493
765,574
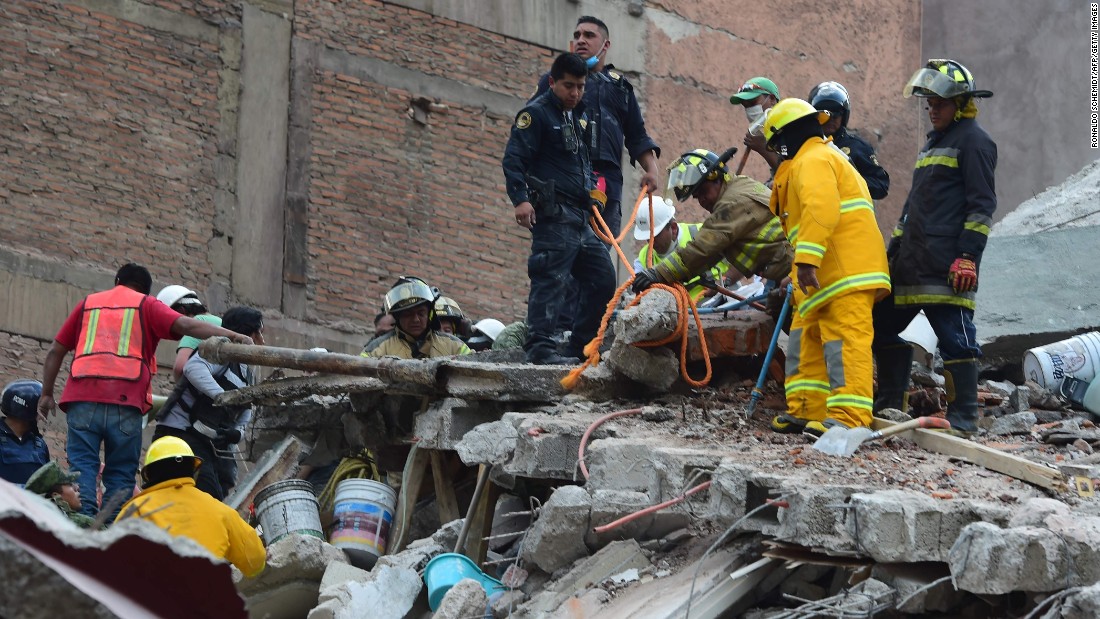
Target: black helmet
x,y
831,97
20,399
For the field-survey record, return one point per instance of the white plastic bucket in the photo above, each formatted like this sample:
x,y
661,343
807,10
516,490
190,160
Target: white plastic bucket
x,y
1079,356
361,519
287,507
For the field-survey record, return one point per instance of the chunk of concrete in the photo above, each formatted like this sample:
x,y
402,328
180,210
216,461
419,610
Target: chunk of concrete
x,y
488,443
466,599
419,552
912,584
1020,399
389,594
446,421
546,446
1081,604
556,539
654,317
608,561
291,581
654,368
610,505
1034,512
339,573
1016,423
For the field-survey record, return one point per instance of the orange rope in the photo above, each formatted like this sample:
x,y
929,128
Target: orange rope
x,y
684,304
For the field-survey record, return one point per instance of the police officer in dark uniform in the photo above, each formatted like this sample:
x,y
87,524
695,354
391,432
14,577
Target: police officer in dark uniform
x,y
550,182
833,98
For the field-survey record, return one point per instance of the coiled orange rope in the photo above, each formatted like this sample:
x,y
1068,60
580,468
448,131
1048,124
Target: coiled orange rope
x,y
684,303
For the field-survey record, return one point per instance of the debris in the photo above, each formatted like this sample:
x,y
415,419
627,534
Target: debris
x,y
275,465
614,558
556,539
1017,423
625,577
389,594
465,599
289,585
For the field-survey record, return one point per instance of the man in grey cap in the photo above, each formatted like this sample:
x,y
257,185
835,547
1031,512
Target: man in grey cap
x,y
52,482
758,95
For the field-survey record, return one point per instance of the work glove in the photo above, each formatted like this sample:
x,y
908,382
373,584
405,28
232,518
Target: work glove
x,y
963,275
644,279
598,198
229,436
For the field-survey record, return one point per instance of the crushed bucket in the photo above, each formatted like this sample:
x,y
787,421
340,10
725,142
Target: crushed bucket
x,y
287,507
361,520
1079,357
446,570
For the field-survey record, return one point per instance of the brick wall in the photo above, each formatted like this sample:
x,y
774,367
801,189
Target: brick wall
x,y
106,149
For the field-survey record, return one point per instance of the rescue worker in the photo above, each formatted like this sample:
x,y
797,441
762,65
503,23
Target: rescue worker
x,y
740,228
52,483
832,97
449,316
213,432
839,272
936,248
484,333
670,235
550,183
615,116
22,448
108,391
616,123
410,302
170,500
757,96
186,302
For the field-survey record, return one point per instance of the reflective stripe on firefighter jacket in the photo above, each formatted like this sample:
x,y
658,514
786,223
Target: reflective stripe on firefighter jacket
x,y
399,344
111,336
825,206
739,229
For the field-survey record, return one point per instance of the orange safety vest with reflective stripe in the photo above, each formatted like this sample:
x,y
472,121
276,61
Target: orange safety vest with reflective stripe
x,y
111,337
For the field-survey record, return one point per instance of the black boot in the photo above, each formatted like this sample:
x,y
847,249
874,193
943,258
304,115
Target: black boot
x,y
894,366
961,378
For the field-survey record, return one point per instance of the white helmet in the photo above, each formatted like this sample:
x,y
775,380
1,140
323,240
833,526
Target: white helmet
x,y
490,326
663,212
170,295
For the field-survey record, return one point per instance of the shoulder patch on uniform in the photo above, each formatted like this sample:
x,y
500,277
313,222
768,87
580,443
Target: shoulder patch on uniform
x,y
846,150
523,120
874,160
615,75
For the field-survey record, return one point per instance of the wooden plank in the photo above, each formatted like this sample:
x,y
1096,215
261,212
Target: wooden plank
x,y
481,525
290,389
276,465
992,459
405,507
445,499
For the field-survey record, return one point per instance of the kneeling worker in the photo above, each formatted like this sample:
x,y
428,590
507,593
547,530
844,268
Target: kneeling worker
x,y
740,227
171,501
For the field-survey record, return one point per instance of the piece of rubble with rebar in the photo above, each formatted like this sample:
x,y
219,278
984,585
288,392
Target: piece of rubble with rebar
x,y
922,523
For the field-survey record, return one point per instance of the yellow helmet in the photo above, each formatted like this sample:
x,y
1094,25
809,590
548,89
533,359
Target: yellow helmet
x,y
170,447
786,112
446,307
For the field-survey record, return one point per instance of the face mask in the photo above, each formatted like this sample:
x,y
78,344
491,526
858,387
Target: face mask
x,y
753,113
593,61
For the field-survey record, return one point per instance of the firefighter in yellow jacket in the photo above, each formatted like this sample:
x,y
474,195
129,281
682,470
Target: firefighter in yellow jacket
x,y
170,500
839,272
740,228
411,303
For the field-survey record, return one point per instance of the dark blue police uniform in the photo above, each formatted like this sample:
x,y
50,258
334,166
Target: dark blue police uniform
x,y
865,162
19,457
546,163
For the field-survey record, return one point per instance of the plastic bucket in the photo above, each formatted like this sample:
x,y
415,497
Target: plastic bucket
x,y
361,518
446,570
287,507
1079,356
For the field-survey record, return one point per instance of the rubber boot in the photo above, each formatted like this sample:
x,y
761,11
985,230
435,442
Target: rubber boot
x,y
961,378
895,363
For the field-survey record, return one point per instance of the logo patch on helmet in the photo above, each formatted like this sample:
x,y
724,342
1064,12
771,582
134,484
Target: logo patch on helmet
x,y
523,120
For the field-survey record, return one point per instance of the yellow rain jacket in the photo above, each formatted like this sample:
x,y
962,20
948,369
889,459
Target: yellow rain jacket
x,y
824,205
183,510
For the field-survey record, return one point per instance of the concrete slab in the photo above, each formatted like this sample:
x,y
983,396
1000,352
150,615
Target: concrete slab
x,y
390,594
585,574
556,539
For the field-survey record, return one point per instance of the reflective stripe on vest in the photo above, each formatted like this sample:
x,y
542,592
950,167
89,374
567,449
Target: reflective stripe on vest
x,y
111,336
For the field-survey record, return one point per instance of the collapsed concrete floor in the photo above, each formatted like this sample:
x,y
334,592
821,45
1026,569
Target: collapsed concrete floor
x,y
1006,526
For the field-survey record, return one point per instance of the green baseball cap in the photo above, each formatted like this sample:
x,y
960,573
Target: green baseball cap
x,y
47,477
754,88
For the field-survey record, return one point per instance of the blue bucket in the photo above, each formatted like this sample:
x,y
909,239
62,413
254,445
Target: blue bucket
x,y
446,570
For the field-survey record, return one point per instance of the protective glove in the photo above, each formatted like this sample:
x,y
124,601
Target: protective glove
x,y
963,275
229,436
599,199
644,279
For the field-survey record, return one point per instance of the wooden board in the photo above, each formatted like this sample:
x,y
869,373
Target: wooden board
x,y
992,459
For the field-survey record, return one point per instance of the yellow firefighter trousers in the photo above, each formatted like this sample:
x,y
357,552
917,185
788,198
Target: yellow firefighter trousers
x,y
829,366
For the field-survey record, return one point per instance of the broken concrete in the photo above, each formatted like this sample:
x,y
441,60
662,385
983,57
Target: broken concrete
x,y
1017,423
1081,603
654,317
585,574
488,443
1055,550
556,539
289,585
654,369
389,594
417,555
466,599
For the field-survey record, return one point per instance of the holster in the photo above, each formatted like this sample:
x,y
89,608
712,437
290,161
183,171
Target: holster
x,y
543,198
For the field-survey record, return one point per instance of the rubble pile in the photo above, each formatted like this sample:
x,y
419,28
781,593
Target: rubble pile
x,y
1071,204
607,503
